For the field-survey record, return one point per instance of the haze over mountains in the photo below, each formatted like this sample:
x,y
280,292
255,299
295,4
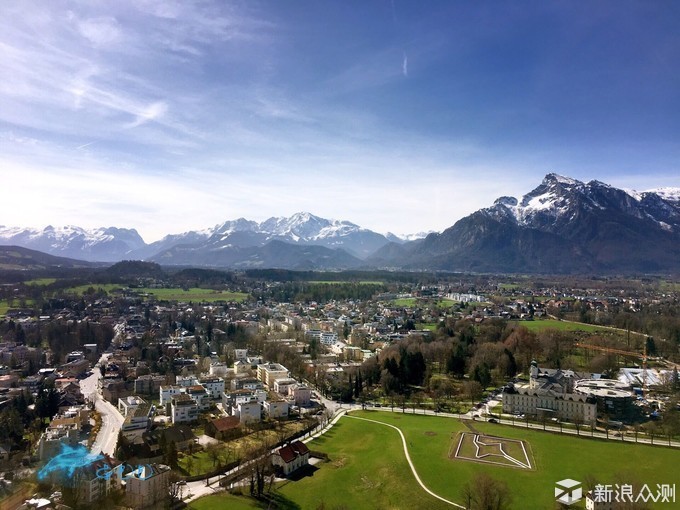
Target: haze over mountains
x,y
562,226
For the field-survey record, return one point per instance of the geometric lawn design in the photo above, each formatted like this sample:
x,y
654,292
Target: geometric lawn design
x,y
492,450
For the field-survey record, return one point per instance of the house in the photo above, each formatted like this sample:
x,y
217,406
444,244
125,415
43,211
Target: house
x,y
302,395
97,480
276,408
593,502
246,383
291,457
270,372
183,409
248,412
147,485
148,384
225,428
148,448
136,421
214,386
283,386
199,395
166,393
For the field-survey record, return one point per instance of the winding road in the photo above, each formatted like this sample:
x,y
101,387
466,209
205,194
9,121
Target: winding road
x,y
112,420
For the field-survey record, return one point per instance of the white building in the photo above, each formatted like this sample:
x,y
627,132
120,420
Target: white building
x,y
166,393
302,395
183,409
269,372
147,485
276,408
291,457
283,386
214,386
248,412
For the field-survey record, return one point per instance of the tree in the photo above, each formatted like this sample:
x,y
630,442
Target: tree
x,y
175,487
486,493
171,457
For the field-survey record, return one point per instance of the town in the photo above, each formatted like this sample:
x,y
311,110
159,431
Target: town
x,y
178,386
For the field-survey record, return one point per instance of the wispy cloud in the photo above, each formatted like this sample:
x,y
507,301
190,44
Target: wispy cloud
x,y
404,66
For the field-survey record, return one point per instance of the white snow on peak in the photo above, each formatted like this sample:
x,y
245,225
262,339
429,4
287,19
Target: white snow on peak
x,y
667,193
561,179
634,194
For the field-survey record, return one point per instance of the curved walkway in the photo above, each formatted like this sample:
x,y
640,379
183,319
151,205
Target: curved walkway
x,y
408,459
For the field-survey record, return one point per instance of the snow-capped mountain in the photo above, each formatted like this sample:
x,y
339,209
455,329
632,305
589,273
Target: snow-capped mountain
x,y
301,228
225,241
99,244
563,225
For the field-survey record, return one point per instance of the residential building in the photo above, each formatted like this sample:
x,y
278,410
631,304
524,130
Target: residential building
x,y
269,372
54,437
592,504
137,414
302,395
183,409
149,384
248,412
214,386
276,408
147,485
283,386
224,428
166,393
291,457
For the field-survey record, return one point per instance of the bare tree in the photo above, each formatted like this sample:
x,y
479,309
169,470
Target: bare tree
x,y
486,493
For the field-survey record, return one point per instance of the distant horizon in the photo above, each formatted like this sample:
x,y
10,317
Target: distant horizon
x,y
168,117
402,235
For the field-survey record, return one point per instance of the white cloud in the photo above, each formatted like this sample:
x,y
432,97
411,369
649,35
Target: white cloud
x,y
100,31
404,66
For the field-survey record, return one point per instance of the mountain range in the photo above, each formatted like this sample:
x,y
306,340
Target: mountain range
x,y
562,226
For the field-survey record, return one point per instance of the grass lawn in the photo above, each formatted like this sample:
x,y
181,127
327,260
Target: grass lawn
x,y
4,306
430,326
539,325
41,281
194,294
82,289
366,469
369,459
405,302
344,282
225,500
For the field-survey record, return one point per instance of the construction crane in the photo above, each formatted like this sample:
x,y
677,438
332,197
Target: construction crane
x,y
612,350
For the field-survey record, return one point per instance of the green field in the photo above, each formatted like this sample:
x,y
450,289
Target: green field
x,y
174,294
221,501
345,282
41,281
541,324
430,326
367,467
83,289
405,302
194,294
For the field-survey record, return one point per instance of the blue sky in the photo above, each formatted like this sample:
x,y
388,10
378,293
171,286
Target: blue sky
x,y
399,116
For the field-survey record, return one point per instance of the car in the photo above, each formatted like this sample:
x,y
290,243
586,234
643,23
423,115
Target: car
x,y
378,405
492,420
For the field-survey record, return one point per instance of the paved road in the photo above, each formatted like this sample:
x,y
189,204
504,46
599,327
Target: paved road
x,y
112,420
